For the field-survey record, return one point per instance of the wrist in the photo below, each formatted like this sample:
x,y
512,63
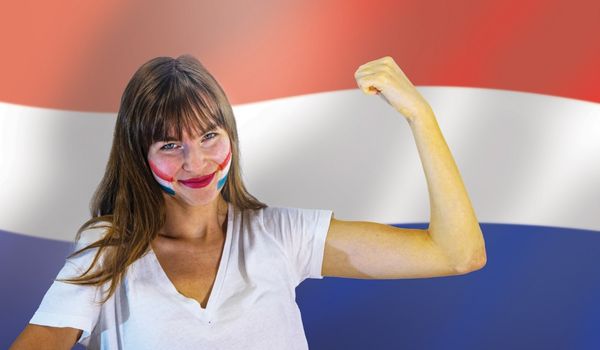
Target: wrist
x,y
424,115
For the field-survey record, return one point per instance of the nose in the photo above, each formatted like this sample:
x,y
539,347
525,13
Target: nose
x,y
193,159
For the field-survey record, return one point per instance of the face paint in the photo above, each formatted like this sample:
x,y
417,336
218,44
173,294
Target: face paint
x,y
165,177
165,181
224,171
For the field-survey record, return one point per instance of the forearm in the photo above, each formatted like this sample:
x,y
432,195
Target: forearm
x,y
44,337
453,224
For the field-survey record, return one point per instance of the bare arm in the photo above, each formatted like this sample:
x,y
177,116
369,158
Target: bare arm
x,y
43,337
453,243
453,225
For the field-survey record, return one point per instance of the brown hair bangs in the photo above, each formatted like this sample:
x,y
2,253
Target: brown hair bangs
x,y
181,105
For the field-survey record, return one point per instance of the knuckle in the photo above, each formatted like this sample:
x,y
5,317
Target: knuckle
x,y
387,69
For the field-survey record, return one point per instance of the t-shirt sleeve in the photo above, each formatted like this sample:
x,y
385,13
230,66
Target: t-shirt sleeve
x,y
71,305
303,234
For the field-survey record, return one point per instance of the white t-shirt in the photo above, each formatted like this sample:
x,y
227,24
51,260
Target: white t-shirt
x,y
252,305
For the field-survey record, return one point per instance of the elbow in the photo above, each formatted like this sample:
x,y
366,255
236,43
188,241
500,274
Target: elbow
x,y
479,262
476,259
476,262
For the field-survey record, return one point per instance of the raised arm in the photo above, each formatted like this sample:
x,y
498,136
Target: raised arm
x,y
453,243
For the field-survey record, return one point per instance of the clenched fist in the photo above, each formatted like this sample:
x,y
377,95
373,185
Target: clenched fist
x,y
385,77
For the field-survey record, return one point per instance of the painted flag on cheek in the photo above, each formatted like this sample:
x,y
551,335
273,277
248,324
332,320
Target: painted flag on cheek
x,y
513,85
165,181
224,171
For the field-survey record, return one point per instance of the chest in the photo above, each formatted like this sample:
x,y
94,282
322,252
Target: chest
x,y
236,275
193,274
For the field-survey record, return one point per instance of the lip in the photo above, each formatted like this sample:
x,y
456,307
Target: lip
x,y
198,182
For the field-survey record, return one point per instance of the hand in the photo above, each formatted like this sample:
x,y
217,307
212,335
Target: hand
x,y
383,76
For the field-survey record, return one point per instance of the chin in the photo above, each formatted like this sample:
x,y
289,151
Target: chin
x,y
198,200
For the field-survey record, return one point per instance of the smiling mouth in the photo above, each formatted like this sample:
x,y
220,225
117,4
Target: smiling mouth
x,y
198,182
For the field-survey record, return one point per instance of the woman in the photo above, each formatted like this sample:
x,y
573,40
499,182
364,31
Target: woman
x,y
187,258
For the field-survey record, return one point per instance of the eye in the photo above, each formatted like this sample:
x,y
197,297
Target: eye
x,y
210,133
168,146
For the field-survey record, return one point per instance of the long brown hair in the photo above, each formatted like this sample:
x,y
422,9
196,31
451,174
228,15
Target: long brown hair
x,y
164,96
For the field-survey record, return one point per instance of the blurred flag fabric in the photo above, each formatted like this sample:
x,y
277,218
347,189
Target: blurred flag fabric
x,y
515,86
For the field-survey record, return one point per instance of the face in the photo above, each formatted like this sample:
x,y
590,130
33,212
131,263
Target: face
x,y
193,169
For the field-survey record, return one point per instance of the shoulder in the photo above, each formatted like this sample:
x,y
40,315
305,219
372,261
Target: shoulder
x,y
266,214
87,237
278,215
293,219
272,219
92,234
285,223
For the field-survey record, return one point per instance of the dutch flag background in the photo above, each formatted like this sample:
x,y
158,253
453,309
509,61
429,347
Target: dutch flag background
x,y
515,86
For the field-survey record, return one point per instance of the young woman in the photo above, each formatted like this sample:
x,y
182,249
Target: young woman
x,y
187,258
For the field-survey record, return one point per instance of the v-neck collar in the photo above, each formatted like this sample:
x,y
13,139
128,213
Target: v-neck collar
x,y
192,304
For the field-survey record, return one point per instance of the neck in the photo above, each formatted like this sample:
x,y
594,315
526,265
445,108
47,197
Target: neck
x,y
201,224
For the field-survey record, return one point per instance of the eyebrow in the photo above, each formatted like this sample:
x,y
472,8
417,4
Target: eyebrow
x,y
173,138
